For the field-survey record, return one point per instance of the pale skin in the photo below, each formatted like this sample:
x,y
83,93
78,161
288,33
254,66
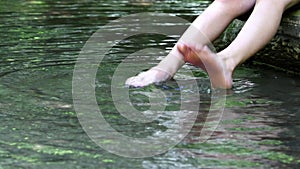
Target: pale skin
x,y
258,30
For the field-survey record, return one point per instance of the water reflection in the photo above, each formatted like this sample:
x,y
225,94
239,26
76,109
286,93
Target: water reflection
x,y
40,42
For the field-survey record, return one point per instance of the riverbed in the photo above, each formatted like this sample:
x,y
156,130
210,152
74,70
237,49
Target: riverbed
x,y
40,44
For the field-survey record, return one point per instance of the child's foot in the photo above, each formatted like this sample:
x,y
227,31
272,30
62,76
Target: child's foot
x,y
189,55
216,66
153,75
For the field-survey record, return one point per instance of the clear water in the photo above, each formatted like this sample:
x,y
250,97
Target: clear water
x,y
40,42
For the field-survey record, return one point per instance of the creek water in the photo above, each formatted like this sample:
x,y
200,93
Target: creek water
x,y
40,43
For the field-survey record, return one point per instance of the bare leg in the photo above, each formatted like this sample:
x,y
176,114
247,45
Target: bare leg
x,y
259,29
211,23
256,33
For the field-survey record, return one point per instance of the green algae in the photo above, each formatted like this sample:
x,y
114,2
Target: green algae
x,y
249,129
236,150
270,142
46,149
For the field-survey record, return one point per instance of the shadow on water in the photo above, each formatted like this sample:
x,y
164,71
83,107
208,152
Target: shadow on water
x,y
40,42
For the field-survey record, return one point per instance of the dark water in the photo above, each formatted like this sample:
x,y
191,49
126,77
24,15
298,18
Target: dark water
x,y
40,42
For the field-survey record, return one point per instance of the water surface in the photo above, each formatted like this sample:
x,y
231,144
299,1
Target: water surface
x,y
40,42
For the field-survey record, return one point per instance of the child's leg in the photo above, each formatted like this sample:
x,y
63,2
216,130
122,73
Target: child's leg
x,y
259,29
210,23
256,33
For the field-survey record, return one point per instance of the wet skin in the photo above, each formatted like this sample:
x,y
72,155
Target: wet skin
x,y
214,65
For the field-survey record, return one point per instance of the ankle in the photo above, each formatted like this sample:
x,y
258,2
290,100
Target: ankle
x,y
162,74
171,64
229,62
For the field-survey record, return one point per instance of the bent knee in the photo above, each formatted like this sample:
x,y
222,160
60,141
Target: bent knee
x,y
236,7
283,4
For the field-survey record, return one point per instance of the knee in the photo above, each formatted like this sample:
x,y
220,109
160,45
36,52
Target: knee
x,y
280,4
236,7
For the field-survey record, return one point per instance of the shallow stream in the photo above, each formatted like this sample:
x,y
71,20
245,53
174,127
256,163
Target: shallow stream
x,y
39,128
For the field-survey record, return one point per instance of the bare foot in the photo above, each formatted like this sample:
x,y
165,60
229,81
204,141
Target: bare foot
x,y
216,67
190,56
153,75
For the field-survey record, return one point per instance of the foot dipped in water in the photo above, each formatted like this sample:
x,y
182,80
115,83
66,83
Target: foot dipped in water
x,y
153,75
216,66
